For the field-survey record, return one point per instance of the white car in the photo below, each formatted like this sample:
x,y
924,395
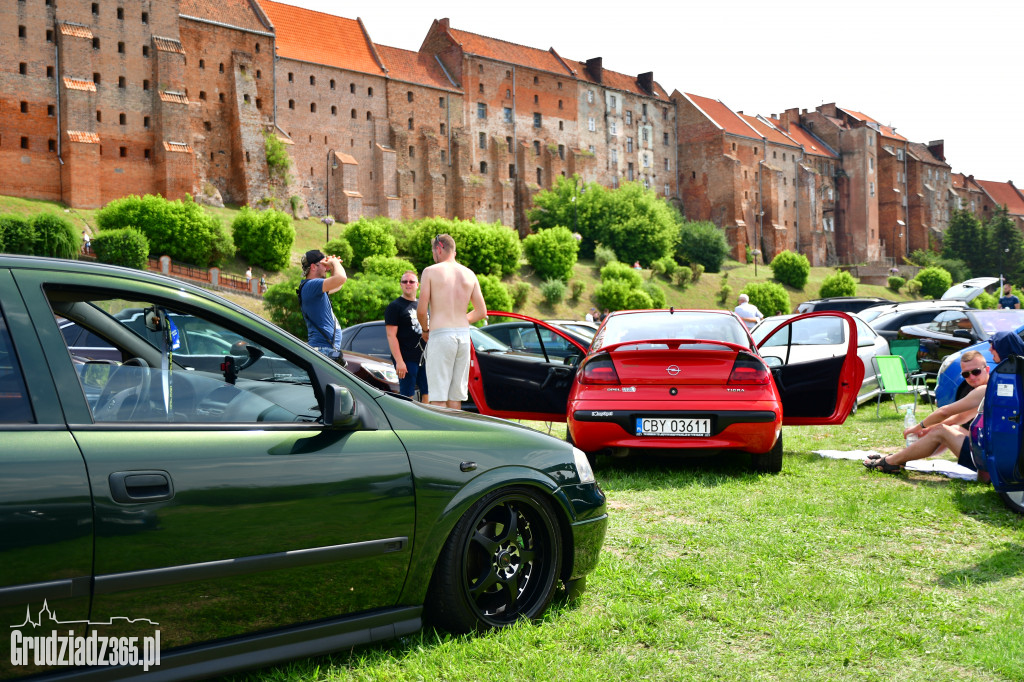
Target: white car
x,y
822,337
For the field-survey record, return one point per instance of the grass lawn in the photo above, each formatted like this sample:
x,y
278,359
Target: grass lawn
x,y
823,572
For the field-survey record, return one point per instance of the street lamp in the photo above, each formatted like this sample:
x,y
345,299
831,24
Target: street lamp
x,y
327,221
327,198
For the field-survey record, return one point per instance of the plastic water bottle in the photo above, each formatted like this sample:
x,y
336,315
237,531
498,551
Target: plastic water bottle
x,y
909,420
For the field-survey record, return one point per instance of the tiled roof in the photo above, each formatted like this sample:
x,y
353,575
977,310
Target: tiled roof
x,y
767,131
811,144
959,180
885,130
414,67
79,84
320,38
168,45
1004,194
179,147
618,81
240,13
84,137
178,97
520,55
75,30
725,117
345,158
922,152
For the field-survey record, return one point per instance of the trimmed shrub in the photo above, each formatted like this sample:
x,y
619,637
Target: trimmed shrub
x,y
282,304
388,267
370,237
520,292
724,295
603,255
55,237
656,293
576,288
791,268
684,275
264,238
769,297
552,253
495,292
657,269
127,247
621,271
553,291
896,283
839,283
934,281
339,247
363,298
485,248
613,294
698,270
702,242
985,301
913,287
19,235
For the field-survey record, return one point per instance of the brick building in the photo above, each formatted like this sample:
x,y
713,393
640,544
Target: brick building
x,y
993,194
929,194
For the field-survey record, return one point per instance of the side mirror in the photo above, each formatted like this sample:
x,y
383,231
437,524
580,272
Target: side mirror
x,y
963,334
771,361
340,409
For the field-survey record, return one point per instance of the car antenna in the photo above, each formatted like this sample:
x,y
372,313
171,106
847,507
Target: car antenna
x,y
672,310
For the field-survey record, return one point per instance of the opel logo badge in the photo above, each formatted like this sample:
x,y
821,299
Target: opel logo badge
x,y
672,370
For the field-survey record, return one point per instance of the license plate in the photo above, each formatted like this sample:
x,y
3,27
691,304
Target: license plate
x,y
647,426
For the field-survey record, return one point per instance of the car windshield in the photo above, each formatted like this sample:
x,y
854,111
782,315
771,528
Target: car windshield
x,y
642,326
485,343
992,321
869,314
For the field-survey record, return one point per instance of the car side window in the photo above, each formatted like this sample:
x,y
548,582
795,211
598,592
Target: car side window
x,y
865,334
14,404
371,340
179,366
948,322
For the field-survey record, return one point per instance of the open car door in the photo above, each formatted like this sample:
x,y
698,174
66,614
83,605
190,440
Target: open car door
x,y
818,391
531,384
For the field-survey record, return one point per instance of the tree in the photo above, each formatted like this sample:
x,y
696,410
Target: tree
x,y
552,253
704,243
264,238
965,240
934,282
1006,246
770,297
572,204
791,268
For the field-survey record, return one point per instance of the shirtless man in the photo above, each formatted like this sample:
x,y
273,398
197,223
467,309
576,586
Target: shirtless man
x,y
446,290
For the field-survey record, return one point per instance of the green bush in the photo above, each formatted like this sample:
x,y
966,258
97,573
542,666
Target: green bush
x,y
657,269
55,237
724,295
913,287
485,248
668,266
370,237
553,291
364,297
613,294
264,238
957,269
791,268
278,161
576,288
896,283
702,242
656,294
839,283
404,232
985,301
934,281
495,293
684,275
552,253
769,297
387,267
339,247
621,271
603,255
282,304
520,292
698,270
19,235
127,247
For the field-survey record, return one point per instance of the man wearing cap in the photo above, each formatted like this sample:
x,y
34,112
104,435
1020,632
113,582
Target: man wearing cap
x,y
322,329
446,290
405,339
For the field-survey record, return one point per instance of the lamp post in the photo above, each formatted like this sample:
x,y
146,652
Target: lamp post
x,y
327,219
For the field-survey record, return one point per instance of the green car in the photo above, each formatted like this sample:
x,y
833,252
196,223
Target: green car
x,y
229,498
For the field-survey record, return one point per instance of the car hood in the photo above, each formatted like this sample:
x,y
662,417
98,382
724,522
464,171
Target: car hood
x,y
969,289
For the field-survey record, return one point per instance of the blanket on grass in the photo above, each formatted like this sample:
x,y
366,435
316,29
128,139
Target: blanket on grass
x,y
942,467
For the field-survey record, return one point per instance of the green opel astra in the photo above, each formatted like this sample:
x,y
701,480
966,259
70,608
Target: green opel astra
x,y
188,490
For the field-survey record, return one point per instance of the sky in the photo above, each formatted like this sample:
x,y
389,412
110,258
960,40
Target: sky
x,y
933,70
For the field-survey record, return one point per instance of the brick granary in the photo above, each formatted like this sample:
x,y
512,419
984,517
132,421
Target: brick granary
x,y
99,99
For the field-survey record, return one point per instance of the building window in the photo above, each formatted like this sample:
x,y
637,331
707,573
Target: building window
x,y
734,146
24,143
202,95
122,152
410,123
483,167
291,77
590,96
591,124
560,127
145,17
561,151
22,33
443,155
50,110
96,78
99,116
668,166
145,122
645,133
629,117
612,102
202,63
353,113
481,110
23,68
871,187
508,93
312,80
536,99
207,125
536,80
49,72
120,48
480,88
483,140
95,43
629,172
51,145
220,97
508,143
121,82
508,114
536,120
312,107
412,152
613,128
334,109
245,98
536,147
440,102
646,160
145,50
291,105
24,107
408,96
442,129
629,145
615,156
96,9
540,177
369,92
664,138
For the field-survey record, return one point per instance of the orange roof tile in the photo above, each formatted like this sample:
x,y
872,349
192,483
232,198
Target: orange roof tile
x,y
179,147
240,13
520,55
1004,194
414,67
345,158
885,130
83,137
75,30
179,97
618,81
811,144
922,152
320,38
767,131
79,84
958,180
726,118
168,45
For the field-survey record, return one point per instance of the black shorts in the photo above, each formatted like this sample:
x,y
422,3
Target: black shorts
x,y
965,459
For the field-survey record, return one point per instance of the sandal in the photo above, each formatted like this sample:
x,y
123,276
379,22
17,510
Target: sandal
x,y
880,464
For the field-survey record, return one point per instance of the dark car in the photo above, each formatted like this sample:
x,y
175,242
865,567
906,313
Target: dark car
x,y
370,338
846,304
887,319
954,330
997,444
235,516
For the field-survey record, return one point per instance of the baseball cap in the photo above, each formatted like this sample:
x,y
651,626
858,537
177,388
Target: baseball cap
x,y
312,257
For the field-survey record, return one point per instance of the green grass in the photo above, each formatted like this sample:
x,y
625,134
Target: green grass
x,y
824,572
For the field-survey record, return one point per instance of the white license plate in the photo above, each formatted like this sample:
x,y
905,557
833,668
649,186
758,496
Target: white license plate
x,y
646,426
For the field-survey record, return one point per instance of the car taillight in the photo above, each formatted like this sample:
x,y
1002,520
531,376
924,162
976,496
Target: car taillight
x,y
748,370
599,370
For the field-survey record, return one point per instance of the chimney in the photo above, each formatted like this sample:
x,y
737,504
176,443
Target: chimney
x,y
646,82
595,69
938,148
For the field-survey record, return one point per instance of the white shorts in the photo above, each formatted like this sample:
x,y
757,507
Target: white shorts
x,y
447,363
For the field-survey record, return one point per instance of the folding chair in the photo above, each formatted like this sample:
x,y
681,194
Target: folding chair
x,y
908,349
891,371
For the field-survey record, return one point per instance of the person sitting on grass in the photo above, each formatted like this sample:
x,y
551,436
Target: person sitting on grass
x,y
943,428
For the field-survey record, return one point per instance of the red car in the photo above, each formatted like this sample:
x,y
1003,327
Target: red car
x,y
672,381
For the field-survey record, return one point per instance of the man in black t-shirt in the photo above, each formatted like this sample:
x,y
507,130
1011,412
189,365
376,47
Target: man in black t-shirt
x,y
405,340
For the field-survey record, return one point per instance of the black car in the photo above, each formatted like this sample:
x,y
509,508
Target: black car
x,y
887,319
955,330
370,338
846,304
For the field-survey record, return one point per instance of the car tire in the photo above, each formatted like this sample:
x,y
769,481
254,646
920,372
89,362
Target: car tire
x,y
1013,501
500,563
769,462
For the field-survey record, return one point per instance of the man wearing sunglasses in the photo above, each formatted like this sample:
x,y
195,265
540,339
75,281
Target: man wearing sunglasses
x,y
943,428
405,339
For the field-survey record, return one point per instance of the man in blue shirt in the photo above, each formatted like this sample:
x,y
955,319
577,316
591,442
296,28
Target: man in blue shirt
x,y
1008,300
322,329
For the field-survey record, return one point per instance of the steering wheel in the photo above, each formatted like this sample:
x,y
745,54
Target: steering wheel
x,y
121,386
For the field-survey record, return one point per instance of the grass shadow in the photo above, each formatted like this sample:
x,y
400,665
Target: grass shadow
x,y
1001,565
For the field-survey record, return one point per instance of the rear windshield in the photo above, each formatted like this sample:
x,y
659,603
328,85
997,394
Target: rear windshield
x,y
679,325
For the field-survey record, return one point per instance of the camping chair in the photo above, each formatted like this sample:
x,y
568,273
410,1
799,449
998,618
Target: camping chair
x,y
908,349
891,371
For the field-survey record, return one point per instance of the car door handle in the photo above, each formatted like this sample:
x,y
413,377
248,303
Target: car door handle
x,y
130,487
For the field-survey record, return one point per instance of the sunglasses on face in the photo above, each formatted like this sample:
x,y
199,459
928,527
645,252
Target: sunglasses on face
x,y
408,281
972,372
